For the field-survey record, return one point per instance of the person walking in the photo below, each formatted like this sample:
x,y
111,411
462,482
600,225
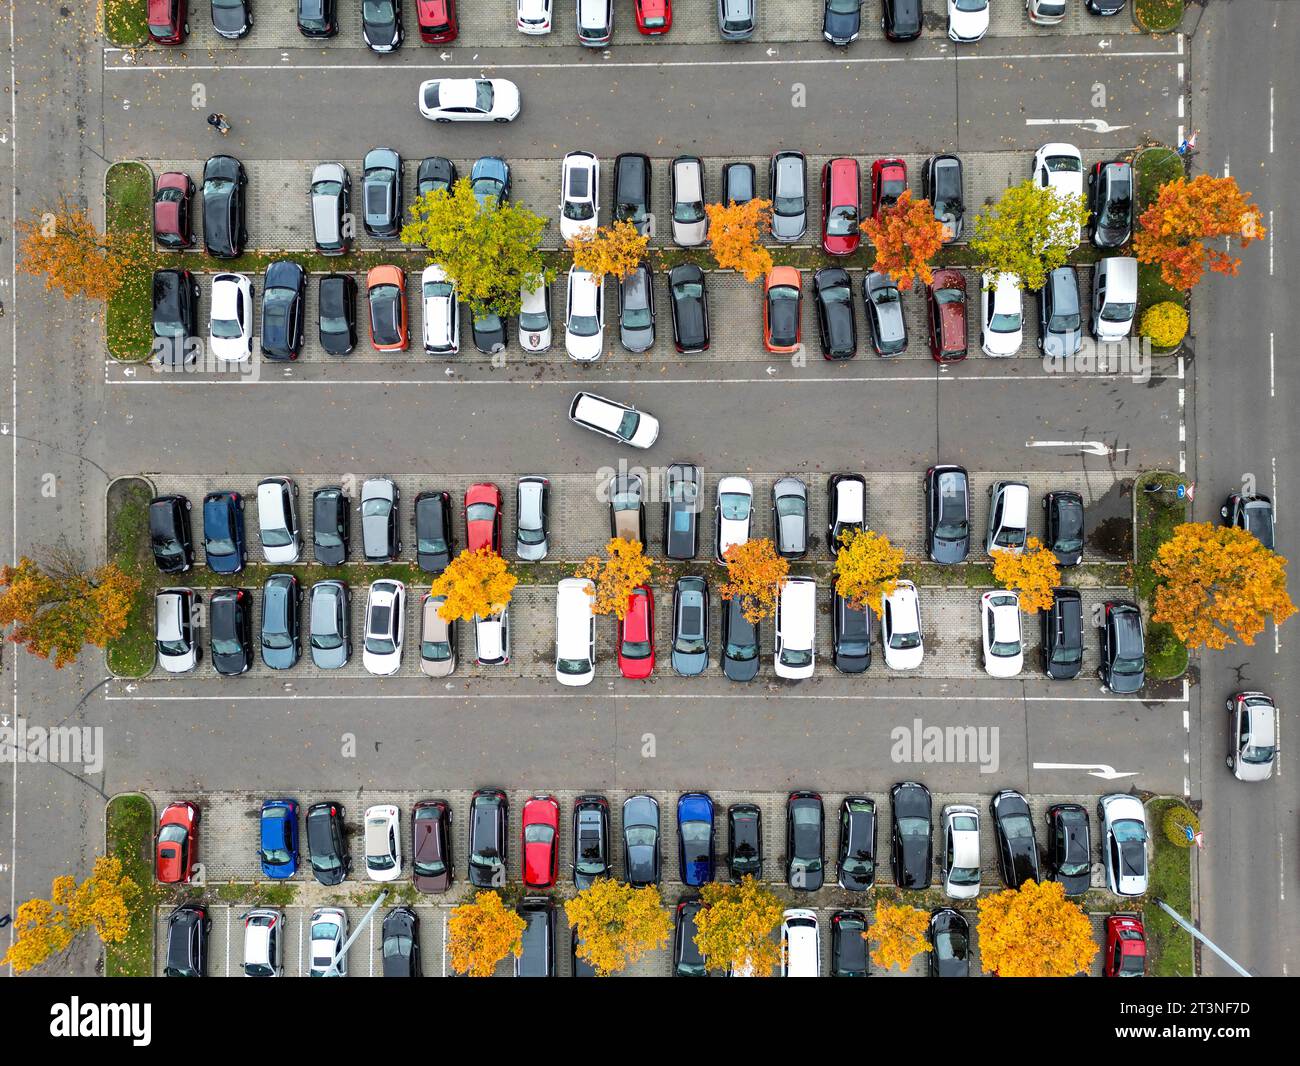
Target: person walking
x,y
218,122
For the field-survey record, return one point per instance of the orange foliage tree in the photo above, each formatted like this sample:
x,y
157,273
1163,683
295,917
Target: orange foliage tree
x,y
1034,573
866,567
906,238
899,933
754,573
1034,931
475,583
734,234
614,250
482,933
734,927
617,923
624,567
1172,231
68,250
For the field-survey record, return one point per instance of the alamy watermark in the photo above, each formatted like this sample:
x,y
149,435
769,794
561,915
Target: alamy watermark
x,y
1130,358
64,744
921,743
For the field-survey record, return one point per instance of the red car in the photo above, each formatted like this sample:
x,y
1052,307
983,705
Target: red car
x,y
888,183
171,210
167,21
541,841
177,849
654,17
840,207
945,302
636,635
1126,947
437,20
483,516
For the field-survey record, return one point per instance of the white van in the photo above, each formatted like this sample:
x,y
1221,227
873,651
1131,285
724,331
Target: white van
x,y
277,520
1008,517
1114,298
801,936
575,632
796,629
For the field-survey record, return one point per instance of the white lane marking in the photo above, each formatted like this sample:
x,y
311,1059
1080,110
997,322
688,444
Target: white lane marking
x,y
1270,242
1272,382
633,696
1182,105
1088,447
1103,770
1270,120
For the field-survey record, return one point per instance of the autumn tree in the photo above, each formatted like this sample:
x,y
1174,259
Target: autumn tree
x,y
614,250
734,927
1217,582
899,932
1173,230
475,583
617,924
1033,572
1034,931
754,573
1029,232
482,933
57,607
67,249
735,231
491,251
624,567
101,902
906,237
866,567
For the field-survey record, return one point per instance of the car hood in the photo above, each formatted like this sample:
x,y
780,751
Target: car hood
x,y
968,24
842,27
789,227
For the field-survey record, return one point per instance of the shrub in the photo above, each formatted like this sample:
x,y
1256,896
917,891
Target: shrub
x,y
1178,819
1165,324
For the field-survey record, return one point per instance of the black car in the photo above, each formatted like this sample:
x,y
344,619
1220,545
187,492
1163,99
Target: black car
x,y
739,183
689,297
949,936
745,841
1061,644
281,637
170,534
687,960
1104,7
318,18
1013,830
1123,647
327,843
739,658
435,542
435,172
1110,199
857,855
1064,525
849,945
850,635
1069,847
632,190
381,25
381,193
901,19
401,943
578,966
681,511
805,841
487,838
943,184
284,315
947,513
187,941
489,331
641,844
538,956
176,338
842,21
690,647
224,219
331,513
911,826
1253,513
337,313
231,19
837,328
590,840
1060,317
230,631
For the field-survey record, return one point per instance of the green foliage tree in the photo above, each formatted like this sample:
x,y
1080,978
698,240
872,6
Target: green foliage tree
x,y
1029,232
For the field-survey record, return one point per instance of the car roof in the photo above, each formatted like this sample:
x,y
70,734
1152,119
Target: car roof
x,y
598,411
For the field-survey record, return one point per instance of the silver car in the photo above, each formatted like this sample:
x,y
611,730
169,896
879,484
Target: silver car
x,y
437,639
788,180
331,196
379,529
331,643
636,310
533,502
1252,750
737,19
690,223
790,517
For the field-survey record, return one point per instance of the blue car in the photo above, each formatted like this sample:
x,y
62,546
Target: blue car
x,y
695,837
223,532
490,180
278,849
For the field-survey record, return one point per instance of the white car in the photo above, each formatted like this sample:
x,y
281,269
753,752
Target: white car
x,y
469,99
733,512
535,318
584,319
1004,646
900,628
533,16
385,623
1253,719
383,843
1123,823
575,632
329,932
230,323
802,943
1059,167
961,851
277,520
175,634
1002,320
968,20
618,421
492,639
441,312
580,194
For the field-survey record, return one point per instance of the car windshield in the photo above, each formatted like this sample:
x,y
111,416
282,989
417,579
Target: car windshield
x,y
640,836
627,425
970,5
913,826
1060,164
536,321
796,656
837,294
378,645
950,946
964,875
483,95
1065,656
531,536
1005,323
734,506
584,325
904,641
327,188
480,512
173,647
220,546
1113,312
1063,324
842,221
377,10
375,507
326,641
579,210
635,649
844,7
787,205
573,667
226,646
335,324
225,328
431,545
688,211
949,296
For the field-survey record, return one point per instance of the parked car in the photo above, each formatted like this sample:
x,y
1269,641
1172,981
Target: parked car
x,y
224,547
1123,826
489,331
1008,527
188,927
595,22
579,195
284,316
961,851
945,299
1253,722
277,520
1059,167
435,172
541,841
264,934
849,952
224,218
947,513
788,182
690,648
1114,298
653,17
942,182
175,630
172,199
170,537
166,21
739,183
492,639
230,318
801,943
911,846
336,321
687,960
901,19
318,19
382,835
635,635
740,642
327,843
949,936
841,21
888,183
884,304
331,513
435,544
386,298
328,933
856,859
438,639
690,223
618,421
790,517
483,510
437,21
175,318
1004,646
532,518
488,854
636,310
900,628
732,515
584,318
1069,847
841,206
1045,12
537,957
380,528
968,20
385,627
331,206
330,617
381,25
695,838
837,328
1013,831
1002,321
850,635
534,320
794,651
1064,513
1060,318
1110,200
1061,641
632,177
744,841
681,510
1123,647
575,632
441,318
591,856
230,631
281,637
278,839
805,841
381,193
782,310
1251,512
641,844
737,19
533,16
1126,946
846,508
689,301
176,845
400,943
432,868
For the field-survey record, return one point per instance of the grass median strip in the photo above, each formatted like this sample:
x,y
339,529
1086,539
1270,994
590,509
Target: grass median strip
x,y
1158,514
1155,167
129,829
1170,948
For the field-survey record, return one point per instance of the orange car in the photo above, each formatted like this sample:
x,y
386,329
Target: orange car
x,y
386,295
782,309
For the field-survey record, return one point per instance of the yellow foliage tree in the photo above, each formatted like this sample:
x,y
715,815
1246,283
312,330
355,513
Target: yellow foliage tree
x,y
1217,582
734,927
1165,323
754,573
624,567
1034,931
734,234
615,249
899,933
475,583
67,249
617,923
1034,573
866,567
482,933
